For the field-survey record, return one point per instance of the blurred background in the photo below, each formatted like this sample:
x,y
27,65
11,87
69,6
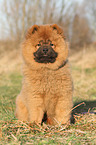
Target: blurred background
x,y
77,18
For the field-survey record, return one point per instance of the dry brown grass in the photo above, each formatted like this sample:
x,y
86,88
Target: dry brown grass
x,y
84,58
9,56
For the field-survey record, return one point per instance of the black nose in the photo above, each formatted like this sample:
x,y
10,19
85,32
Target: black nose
x,y
45,50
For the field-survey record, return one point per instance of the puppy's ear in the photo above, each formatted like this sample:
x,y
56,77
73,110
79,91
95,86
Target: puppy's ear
x,y
58,29
31,31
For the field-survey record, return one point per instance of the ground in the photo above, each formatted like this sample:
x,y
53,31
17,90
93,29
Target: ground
x,y
83,64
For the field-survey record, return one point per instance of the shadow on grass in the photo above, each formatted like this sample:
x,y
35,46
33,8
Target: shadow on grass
x,y
87,107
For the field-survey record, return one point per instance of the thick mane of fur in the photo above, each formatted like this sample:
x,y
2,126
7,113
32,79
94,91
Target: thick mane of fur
x,y
45,32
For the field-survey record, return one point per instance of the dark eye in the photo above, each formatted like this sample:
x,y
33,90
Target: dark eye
x,y
39,44
52,44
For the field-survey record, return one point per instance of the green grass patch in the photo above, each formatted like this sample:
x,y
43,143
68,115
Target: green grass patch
x,y
9,88
90,70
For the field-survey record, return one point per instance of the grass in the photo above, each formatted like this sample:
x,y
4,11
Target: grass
x,y
14,132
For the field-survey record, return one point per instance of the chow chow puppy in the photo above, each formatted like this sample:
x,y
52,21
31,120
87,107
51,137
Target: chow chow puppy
x,y
47,83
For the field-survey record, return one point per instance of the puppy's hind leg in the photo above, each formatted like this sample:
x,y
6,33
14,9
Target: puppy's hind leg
x,y
21,110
